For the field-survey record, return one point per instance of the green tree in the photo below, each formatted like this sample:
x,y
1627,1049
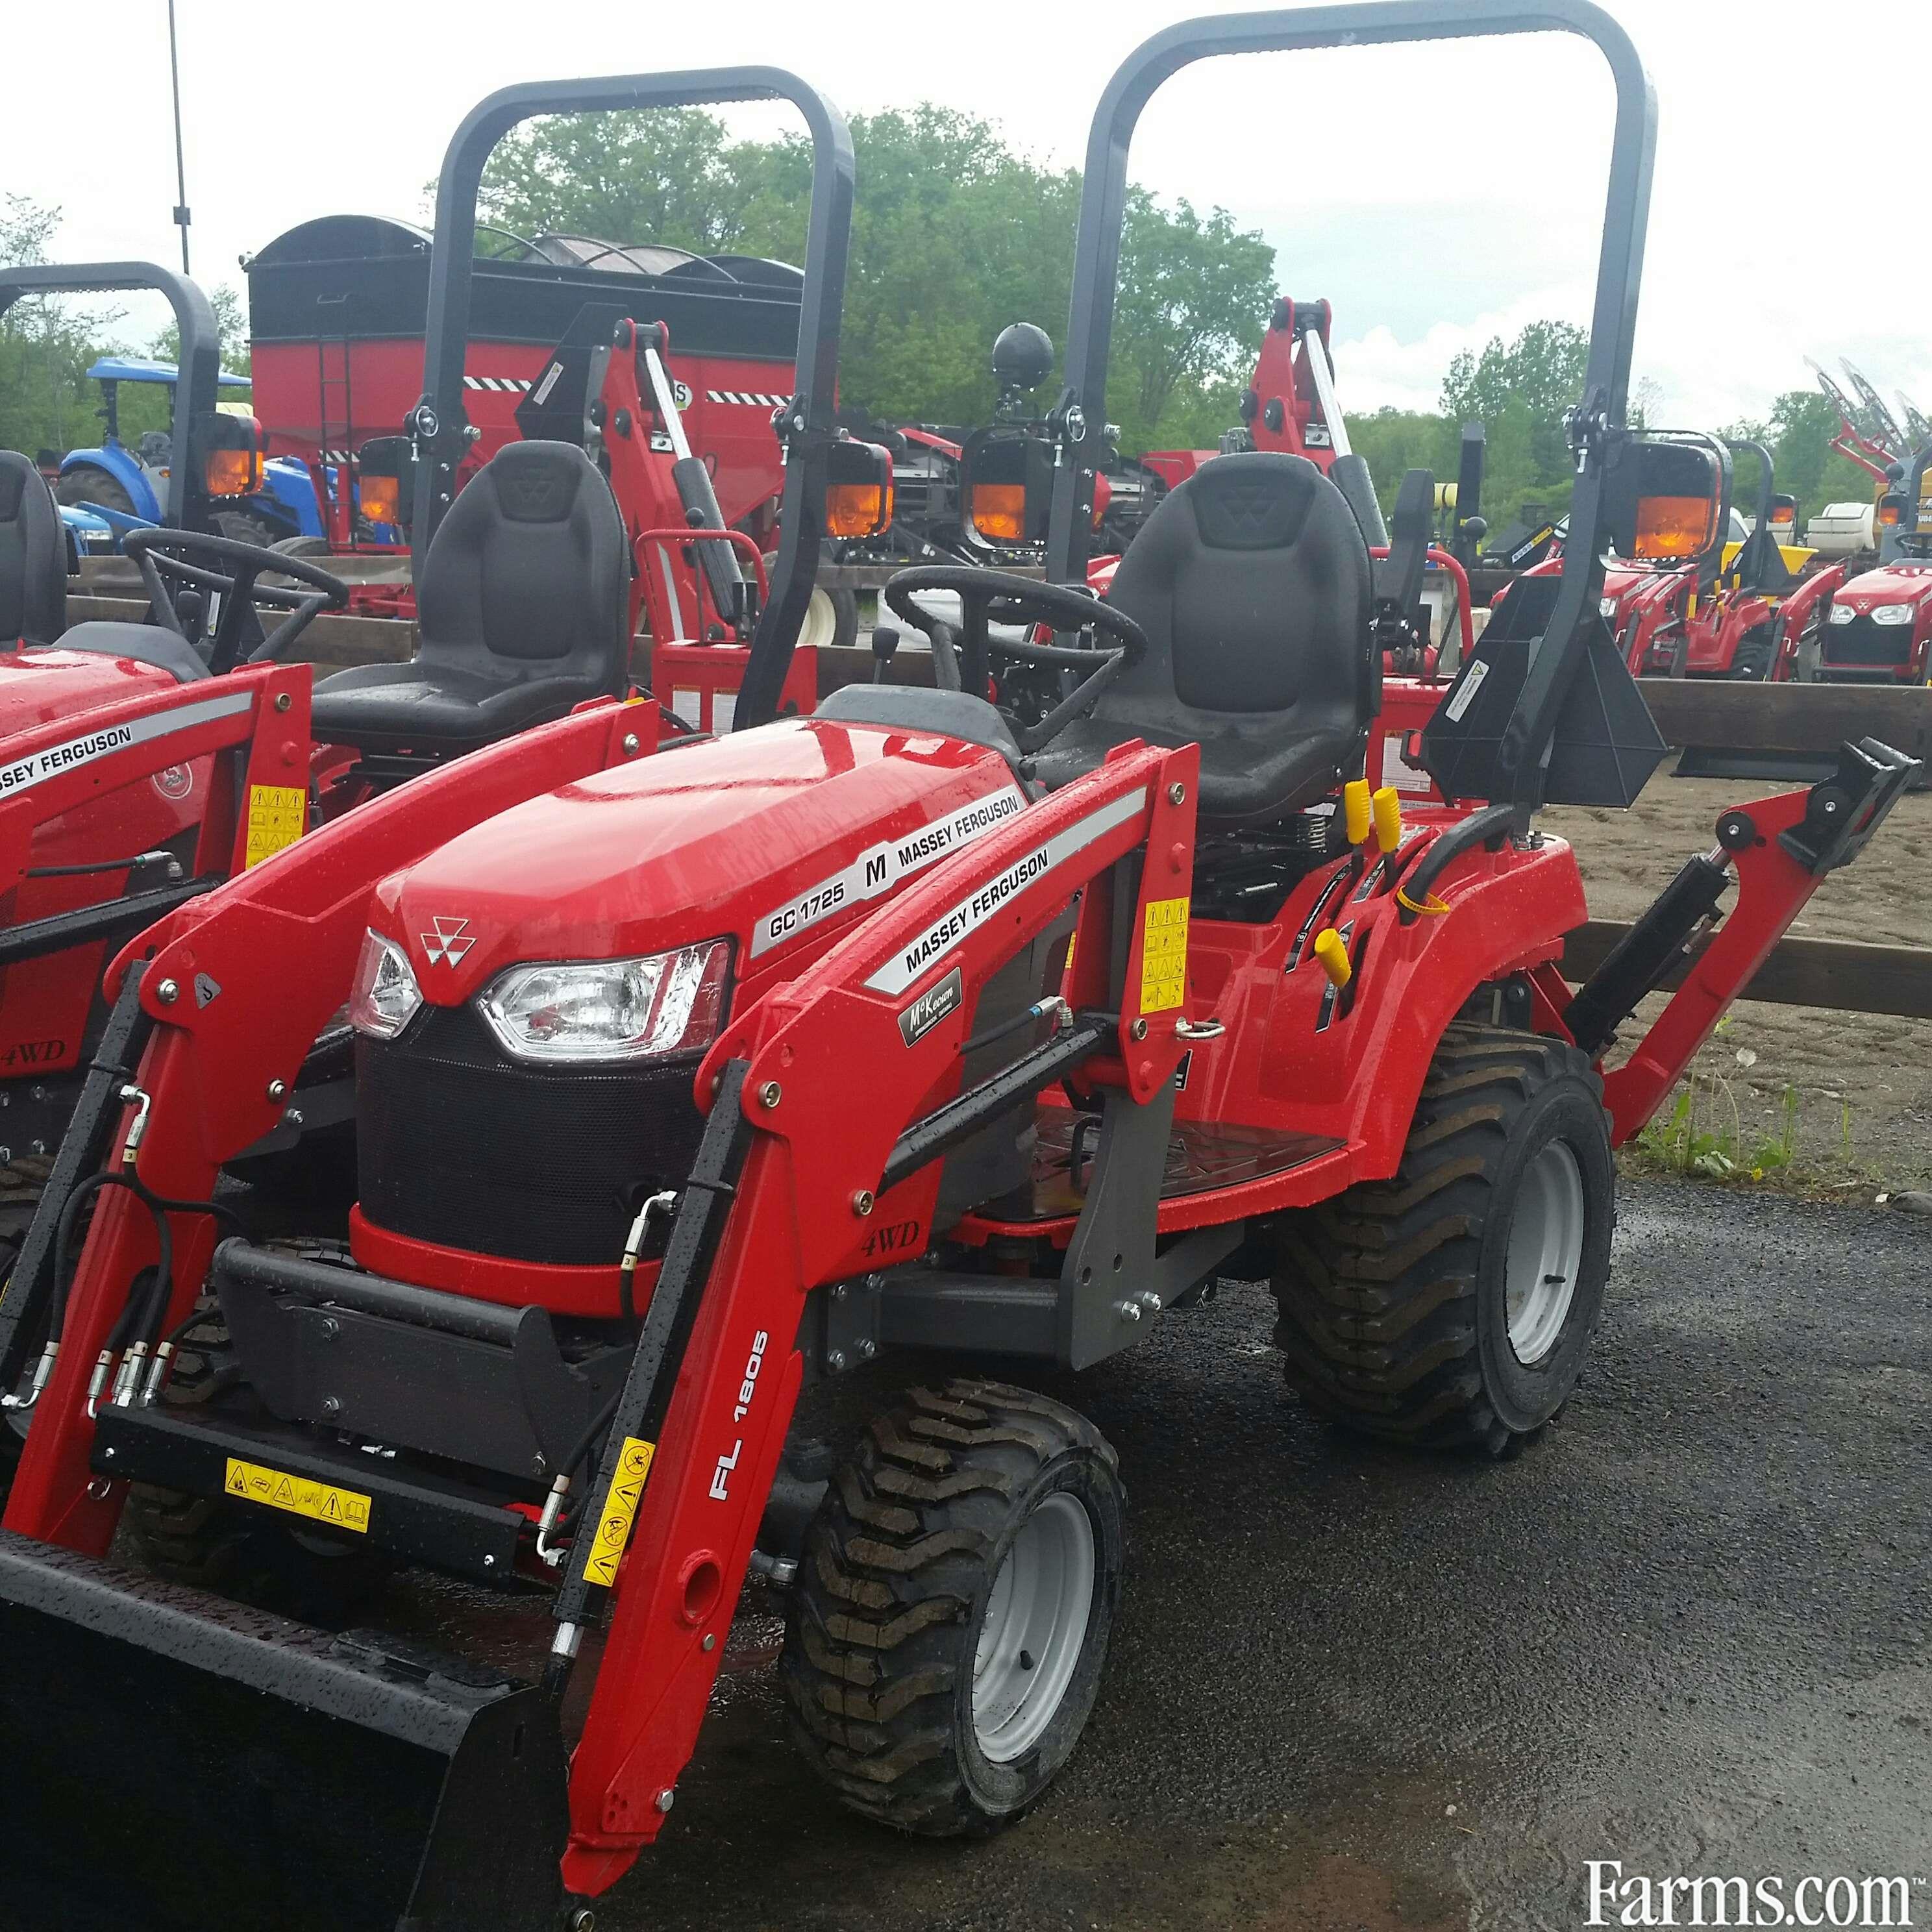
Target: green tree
x,y
46,345
1799,432
955,234
1194,296
231,329
1521,390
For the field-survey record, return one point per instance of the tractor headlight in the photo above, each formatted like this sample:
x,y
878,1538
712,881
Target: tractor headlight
x,y
1842,613
386,996
1892,613
1608,605
611,1009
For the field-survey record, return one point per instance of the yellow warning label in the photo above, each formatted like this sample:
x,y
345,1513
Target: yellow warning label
x,y
620,1511
277,815
1164,956
321,1502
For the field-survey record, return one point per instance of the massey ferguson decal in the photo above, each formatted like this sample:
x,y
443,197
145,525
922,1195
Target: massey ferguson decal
x,y
25,773
448,941
931,1006
946,931
874,873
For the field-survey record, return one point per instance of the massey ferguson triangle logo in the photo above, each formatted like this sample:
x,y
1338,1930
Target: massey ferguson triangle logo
x,y
449,942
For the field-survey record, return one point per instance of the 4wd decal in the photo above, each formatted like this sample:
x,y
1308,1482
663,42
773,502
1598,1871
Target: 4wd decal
x,y
931,1006
946,931
899,1237
25,773
876,871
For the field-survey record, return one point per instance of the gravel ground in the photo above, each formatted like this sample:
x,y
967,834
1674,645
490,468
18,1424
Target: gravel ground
x,y
1691,1631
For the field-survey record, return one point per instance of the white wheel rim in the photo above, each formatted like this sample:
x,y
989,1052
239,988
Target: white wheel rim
x,y
1545,1250
1033,1629
821,626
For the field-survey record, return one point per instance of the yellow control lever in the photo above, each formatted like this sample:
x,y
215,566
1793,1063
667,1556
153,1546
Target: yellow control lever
x,y
1355,809
1333,954
1386,805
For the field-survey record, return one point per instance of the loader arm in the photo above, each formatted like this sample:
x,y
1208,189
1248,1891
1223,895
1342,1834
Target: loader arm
x,y
810,1190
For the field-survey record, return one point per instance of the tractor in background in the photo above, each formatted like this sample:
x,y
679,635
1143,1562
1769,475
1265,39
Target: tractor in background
x,y
125,485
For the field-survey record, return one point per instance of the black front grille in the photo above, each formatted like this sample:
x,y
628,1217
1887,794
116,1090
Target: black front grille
x,y
1862,642
458,1144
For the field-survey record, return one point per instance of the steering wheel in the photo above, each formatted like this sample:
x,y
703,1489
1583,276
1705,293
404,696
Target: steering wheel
x,y
961,659
158,553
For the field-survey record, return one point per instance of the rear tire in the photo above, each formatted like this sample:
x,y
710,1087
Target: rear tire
x,y
1451,1307
946,1635
245,527
832,617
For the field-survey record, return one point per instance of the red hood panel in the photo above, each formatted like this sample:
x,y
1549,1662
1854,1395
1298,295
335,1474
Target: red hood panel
x,y
1890,583
765,835
37,686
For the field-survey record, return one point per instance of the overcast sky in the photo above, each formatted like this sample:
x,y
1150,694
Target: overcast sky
x,y
1438,195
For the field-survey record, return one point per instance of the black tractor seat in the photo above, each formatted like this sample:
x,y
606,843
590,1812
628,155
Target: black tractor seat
x,y
522,612
1252,582
33,555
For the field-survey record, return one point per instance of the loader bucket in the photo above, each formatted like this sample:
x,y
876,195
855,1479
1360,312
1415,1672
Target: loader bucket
x,y
170,1762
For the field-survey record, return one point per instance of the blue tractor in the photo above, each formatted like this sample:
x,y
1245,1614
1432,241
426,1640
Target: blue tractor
x,y
124,486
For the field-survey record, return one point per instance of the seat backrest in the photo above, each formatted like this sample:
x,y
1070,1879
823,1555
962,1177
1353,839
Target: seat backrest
x,y
1252,581
33,555
529,573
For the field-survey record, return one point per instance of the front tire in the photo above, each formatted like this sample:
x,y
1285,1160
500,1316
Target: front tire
x,y
947,1633
1451,1305
89,484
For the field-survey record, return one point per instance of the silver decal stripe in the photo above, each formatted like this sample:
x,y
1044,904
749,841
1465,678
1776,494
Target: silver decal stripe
x,y
876,871
25,773
946,931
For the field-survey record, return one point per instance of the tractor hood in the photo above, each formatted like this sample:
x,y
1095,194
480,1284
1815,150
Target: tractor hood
x,y
1890,583
39,685
765,837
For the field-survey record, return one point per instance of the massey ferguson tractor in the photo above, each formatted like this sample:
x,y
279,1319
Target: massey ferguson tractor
x,y
971,1028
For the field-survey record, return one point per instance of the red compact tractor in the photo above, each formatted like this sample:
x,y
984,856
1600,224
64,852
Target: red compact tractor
x,y
1740,606
973,1033
141,764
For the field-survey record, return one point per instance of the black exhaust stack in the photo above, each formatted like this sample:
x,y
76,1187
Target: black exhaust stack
x,y
171,1762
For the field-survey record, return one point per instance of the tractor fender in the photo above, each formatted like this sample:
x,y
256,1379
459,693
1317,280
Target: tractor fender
x,y
120,466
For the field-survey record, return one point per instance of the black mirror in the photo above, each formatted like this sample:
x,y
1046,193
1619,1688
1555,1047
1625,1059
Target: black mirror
x,y
1005,478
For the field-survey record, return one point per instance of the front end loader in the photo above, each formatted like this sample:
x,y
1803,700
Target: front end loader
x,y
976,1033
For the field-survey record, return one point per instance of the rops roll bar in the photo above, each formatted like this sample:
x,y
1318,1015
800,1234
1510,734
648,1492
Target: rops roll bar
x,y
198,367
438,425
1597,432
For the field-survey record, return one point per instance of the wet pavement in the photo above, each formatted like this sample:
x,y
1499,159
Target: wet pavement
x,y
1691,1631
